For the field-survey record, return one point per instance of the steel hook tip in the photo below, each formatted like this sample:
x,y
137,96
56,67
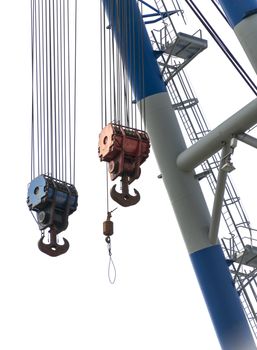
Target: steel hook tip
x,y
53,249
124,199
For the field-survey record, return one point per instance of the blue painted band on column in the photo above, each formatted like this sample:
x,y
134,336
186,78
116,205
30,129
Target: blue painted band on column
x,y
135,47
222,299
237,10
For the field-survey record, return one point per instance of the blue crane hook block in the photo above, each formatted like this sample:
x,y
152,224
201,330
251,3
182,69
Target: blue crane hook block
x,y
53,201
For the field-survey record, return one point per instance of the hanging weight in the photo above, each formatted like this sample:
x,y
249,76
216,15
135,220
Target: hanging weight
x,y
108,228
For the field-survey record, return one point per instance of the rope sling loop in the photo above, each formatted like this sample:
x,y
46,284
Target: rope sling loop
x,y
52,195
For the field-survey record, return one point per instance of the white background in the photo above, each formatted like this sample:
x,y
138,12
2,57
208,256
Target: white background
x,y
67,302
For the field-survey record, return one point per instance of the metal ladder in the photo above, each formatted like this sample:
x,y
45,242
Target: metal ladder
x,y
194,126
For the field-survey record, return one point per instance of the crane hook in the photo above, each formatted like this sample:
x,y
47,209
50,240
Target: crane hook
x,y
124,198
53,248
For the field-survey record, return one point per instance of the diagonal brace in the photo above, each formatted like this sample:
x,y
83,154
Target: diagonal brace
x,y
219,195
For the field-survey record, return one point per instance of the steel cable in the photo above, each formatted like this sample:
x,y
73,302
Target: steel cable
x,y
69,91
37,88
62,157
43,88
222,46
75,93
39,101
58,115
117,98
32,170
64,90
47,116
53,120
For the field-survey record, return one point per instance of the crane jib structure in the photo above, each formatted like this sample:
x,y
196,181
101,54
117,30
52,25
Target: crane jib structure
x,y
183,188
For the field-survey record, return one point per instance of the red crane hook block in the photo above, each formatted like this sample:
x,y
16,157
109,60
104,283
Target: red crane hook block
x,y
125,149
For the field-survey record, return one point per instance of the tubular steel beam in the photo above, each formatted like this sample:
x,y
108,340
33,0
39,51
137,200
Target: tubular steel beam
x,y
208,145
248,139
219,196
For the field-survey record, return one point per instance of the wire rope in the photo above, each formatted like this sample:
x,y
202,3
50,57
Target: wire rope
x,y
75,93
64,91
47,116
55,112
69,91
37,87
143,117
58,85
116,87
43,88
54,72
50,90
32,169
40,103
61,94
222,46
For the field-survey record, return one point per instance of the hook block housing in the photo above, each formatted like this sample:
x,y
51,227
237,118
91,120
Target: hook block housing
x,y
53,201
124,148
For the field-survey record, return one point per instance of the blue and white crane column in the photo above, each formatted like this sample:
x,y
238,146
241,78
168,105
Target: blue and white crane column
x,y
183,188
242,16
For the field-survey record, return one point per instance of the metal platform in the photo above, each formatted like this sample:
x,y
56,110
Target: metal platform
x,y
186,46
248,256
189,103
176,46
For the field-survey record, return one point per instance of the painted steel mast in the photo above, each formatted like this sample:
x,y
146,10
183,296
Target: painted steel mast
x,y
182,185
242,16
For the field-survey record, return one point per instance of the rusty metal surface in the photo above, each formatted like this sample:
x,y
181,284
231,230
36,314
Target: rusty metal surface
x,y
53,248
124,198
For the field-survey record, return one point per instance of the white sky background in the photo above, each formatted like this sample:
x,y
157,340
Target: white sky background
x,y
67,302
